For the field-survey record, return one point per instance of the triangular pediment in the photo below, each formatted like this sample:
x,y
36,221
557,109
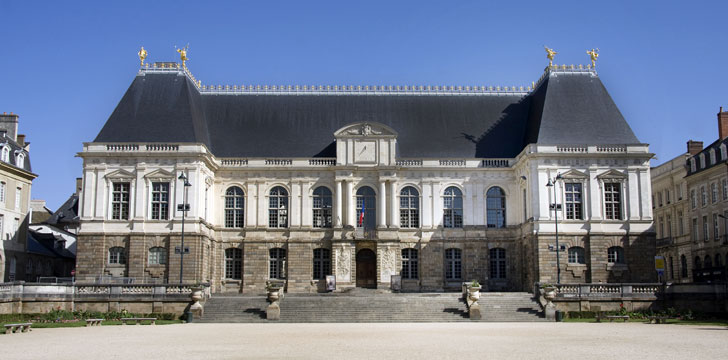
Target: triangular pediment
x,y
574,174
365,129
612,174
120,174
160,174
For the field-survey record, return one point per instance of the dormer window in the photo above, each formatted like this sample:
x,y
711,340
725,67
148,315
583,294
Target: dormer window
x,y
692,165
723,152
5,154
702,161
20,160
712,156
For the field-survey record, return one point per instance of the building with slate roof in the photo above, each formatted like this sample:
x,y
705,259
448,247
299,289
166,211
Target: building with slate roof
x,y
434,184
16,178
695,246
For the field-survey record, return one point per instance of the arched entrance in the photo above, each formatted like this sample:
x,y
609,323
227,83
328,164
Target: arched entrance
x,y
366,269
366,209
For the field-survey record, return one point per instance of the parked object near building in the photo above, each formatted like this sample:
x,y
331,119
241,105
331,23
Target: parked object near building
x,y
437,184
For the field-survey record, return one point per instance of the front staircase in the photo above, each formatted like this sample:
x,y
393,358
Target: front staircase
x,y
364,305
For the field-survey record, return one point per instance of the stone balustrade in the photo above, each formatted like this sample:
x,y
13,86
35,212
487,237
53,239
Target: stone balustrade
x,y
599,290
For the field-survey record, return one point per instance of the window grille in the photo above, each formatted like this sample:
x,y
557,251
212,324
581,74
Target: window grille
x,y
497,257
322,208
409,264
234,207
278,208
496,207
321,263
409,208
612,201
577,255
453,208
615,255
573,200
157,256
120,201
117,255
233,263
277,264
453,264
160,201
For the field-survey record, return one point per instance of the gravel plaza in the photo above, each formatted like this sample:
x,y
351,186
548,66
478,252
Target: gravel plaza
x,y
370,341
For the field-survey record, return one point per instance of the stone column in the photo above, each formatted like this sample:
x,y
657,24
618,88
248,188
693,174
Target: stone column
x,y
393,208
426,205
382,205
100,212
251,205
139,194
294,208
262,205
350,204
337,205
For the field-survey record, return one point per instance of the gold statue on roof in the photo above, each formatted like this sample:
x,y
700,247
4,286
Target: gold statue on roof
x,y
550,54
142,55
183,54
594,55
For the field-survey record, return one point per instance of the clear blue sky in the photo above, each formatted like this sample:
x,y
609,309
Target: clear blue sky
x,y
65,65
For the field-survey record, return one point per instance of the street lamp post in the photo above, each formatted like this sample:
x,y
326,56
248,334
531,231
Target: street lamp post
x,y
552,183
184,207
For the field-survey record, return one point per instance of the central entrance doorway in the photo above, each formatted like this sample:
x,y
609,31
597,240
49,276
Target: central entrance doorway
x,y
366,269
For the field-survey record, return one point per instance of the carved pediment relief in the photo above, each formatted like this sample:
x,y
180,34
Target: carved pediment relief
x,y
120,175
365,129
574,174
160,174
612,175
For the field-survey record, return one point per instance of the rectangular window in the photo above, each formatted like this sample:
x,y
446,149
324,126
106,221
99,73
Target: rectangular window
x,y
695,230
679,192
669,225
705,228
18,194
612,201
661,225
16,227
160,201
659,198
572,198
714,193
693,199
680,226
409,264
2,192
120,201
703,196
667,196
716,228
725,189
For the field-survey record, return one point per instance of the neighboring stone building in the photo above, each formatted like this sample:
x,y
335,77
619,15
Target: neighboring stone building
x,y
15,182
437,184
699,249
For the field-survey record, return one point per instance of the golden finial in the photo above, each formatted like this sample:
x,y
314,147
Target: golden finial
x,y
594,55
142,55
550,55
183,54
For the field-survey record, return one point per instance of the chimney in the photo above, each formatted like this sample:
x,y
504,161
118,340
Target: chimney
x,y
21,140
9,125
694,147
722,123
79,187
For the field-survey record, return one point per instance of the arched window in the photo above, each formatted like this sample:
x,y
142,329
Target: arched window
x,y
117,255
697,265
157,256
233,263
497,257
615,255
5,154
496,205
278,208
321,263
277,263
453,264
683,266
708,263
577,255
409,264
20,160
234,207
453,206
409,208
322,207
366,208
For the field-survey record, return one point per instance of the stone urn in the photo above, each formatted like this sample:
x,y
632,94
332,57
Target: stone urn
x,y
549,293
474,293
196,296
274,294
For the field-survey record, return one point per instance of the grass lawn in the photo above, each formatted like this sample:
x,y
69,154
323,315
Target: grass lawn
x,y
82,323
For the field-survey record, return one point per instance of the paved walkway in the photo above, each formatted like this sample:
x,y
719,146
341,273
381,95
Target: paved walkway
x,y
372,341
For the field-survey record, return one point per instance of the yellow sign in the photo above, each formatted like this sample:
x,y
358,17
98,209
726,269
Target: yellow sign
x,y
659,263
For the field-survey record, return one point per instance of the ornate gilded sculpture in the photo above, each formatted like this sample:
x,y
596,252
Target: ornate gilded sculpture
x,y
183,55
594,55
550,54
142,55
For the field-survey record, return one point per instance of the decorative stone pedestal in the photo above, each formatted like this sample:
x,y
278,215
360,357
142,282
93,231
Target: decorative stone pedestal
x,y
273,312
196,308
549,293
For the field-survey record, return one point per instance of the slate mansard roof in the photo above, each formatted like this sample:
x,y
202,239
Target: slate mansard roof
x,y
566,107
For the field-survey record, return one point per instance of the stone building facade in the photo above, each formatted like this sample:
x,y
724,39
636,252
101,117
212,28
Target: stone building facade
x,y
438,185
16,179
700,251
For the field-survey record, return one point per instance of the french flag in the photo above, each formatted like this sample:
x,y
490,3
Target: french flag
x,y
361,216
